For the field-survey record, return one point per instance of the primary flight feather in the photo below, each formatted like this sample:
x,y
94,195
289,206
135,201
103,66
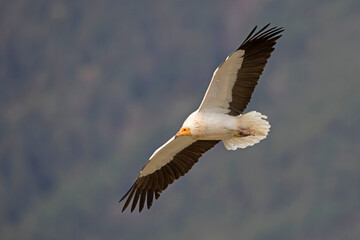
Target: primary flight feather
x,y
219,118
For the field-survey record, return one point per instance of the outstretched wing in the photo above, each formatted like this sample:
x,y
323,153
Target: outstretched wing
x,y
234,81
168,163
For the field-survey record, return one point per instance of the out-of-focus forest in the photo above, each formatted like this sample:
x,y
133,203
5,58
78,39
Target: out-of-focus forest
x,y
89,89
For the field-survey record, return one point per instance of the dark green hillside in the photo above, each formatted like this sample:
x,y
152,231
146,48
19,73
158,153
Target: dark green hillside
x,y
89,89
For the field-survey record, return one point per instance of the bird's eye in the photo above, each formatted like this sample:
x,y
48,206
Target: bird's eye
x,y
184,129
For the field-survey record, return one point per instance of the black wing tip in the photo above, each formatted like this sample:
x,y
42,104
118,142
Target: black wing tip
x,y
135,200
128,197
153,184
265,33
136,195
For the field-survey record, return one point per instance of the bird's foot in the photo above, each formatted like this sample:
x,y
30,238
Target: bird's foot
x,y
245,133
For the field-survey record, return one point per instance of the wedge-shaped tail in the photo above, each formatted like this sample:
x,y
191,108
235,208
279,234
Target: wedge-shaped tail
x,y
257,127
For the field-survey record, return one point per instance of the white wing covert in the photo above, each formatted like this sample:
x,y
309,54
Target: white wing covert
x,y
169,162
234,81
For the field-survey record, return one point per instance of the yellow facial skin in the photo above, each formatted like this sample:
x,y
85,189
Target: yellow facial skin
x,y
184,132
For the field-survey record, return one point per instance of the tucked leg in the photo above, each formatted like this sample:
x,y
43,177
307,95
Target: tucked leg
x,y
245,133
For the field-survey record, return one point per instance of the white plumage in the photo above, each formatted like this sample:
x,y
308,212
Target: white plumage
x,y
219,118
218,94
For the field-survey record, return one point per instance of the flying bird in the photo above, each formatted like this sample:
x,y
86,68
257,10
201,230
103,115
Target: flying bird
x,y
219,118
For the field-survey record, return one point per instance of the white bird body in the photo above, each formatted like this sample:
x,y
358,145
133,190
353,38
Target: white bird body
x,y
219,118
210,125
215,125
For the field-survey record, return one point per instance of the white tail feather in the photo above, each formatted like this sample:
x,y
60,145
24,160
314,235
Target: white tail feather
x,y
253,121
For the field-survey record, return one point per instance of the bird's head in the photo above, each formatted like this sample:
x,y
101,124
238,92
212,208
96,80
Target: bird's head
x,y
190,126
184,131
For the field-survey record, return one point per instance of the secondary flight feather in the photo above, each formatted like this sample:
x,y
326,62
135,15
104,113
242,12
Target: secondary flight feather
x,y
219,118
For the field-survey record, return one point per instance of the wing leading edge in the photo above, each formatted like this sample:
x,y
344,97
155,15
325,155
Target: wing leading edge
x,y
169,169
234,81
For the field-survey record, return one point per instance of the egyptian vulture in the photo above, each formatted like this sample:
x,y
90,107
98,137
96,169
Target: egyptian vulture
x,y
219,118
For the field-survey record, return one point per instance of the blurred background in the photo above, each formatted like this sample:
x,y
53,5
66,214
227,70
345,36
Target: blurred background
x,y
89,89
